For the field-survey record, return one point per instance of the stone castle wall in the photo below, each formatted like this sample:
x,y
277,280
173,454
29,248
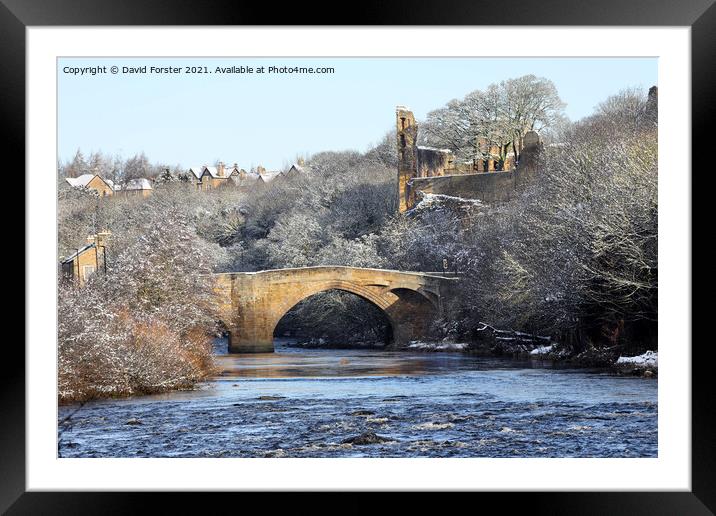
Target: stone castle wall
x,y
488,187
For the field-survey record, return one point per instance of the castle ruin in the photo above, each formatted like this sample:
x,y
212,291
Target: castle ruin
x,y
429,170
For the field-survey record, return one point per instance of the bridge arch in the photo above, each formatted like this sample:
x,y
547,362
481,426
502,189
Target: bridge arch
x,y
371,312
380,296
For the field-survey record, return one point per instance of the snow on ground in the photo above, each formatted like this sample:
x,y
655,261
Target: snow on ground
x,y
542,350
649,360
437,346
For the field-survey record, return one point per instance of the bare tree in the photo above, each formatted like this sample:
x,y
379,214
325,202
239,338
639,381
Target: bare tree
x,y
501,115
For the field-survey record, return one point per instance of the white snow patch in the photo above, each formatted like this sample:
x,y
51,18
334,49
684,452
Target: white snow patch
x,y
437,346
423,147
429,200
542,350
648,360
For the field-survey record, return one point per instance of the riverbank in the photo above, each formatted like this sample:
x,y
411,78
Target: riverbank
x,y
137,367
520,346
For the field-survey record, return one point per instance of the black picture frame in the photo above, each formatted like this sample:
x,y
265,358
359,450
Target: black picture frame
x,y
700,15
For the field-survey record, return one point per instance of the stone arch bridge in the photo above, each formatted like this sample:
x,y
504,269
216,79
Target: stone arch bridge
x,y
252,303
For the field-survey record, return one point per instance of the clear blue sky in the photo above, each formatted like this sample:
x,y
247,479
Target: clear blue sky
x,y
268,119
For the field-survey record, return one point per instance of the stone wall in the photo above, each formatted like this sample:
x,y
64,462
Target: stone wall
x,y
434,162
487,186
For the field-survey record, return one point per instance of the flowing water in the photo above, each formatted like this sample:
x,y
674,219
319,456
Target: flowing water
x,y
312,403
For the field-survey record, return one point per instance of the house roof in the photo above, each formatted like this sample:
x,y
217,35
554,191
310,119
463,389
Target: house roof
x,y
269,176
82,180
141,183
78,252
213,171
302,169
251,175
198,172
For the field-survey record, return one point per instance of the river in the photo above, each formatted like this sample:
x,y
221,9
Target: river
x,y
308,403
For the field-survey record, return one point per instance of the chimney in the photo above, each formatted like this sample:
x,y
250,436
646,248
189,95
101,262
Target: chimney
x,y
102,237
220,169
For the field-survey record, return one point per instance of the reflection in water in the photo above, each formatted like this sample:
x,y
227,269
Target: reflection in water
x,y
288,362
329,403
314,364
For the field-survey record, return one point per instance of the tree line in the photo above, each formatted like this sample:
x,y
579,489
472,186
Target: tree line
x,y
115,168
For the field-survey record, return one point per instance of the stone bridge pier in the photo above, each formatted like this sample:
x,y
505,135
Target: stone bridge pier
x,y
252,303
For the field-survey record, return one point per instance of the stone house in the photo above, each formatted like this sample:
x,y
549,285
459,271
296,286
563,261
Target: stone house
x,y
207,178
103,187
86,261
245,180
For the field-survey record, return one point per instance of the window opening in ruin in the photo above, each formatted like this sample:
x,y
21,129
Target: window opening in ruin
x,y
402,140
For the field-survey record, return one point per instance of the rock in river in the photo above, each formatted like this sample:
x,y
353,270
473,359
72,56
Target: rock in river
x,y
366,438
362,413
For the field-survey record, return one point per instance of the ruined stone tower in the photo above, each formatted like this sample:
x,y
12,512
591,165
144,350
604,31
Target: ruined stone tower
x,y
407,133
